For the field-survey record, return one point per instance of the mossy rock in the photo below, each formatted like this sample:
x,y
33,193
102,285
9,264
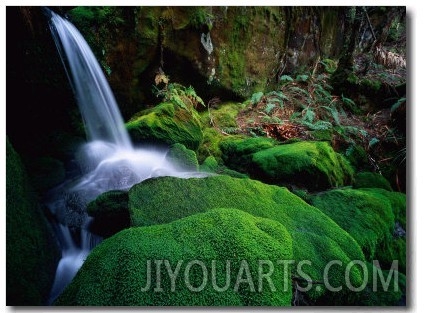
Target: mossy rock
x,y
116,272
237,153
183,158
316,237
31,251
371,180
392,293
167,123
366,215
313,165
210,164
223,117
210,144
397,201
110,212
358,157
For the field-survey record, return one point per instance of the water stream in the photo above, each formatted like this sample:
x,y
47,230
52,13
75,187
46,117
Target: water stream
x,y
108,161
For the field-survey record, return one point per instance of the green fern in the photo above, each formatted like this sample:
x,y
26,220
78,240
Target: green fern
x,y
256,98
309,115
269,107
397,104
334,113
286,79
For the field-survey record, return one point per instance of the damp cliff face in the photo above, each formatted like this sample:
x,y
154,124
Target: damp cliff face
x,y
227,52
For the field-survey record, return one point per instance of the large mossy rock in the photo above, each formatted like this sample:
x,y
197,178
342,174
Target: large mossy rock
x,y
167,123
309,164
117,271
369,216
31,252
371,180
110,212
316,237
184,159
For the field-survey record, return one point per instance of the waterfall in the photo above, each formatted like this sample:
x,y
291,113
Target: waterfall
x,y
97,104
108,161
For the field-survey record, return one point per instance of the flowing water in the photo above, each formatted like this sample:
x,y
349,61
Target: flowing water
x,y
108,161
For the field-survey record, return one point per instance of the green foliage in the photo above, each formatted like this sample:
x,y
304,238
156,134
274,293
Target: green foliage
x,y
371,180
302,78
110,212
256,98
185,159
184,97
32,254
366,215
116,272
315,236
330,65
314,165
285,79
200,16
167,123
397,104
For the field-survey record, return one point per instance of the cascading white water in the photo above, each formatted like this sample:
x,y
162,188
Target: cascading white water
x,y
107,161
97,104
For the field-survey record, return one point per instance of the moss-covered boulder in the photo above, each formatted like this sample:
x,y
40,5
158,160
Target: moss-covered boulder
x,y
369,215
366,215
394,249
316,237
310,164
237,152
183,158
208,259
31,251
314,165
371,180
167,123
110,212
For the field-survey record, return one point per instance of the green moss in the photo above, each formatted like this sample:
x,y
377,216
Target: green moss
x,y
397,201
210,164
224,116
31,252
116,271
373,84
375,294
316,237
210,144
237,152
185,159
110,212
395,248
371,180
322,134
357,156
167,123
314,165
367,216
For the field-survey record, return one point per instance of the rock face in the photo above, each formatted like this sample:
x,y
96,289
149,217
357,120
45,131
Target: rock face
x,y
118,272
32,253
223,51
